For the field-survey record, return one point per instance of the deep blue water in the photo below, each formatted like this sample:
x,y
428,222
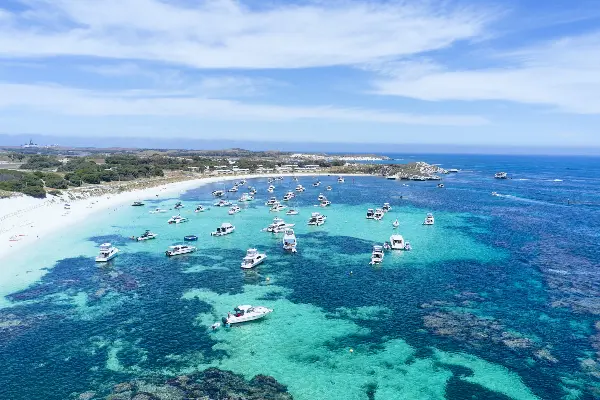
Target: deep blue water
x,y
542,287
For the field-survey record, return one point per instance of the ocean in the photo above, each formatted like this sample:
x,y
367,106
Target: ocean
x,y
498,300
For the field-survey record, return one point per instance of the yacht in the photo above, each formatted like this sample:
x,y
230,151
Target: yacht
x,y
233,189
158,211
300,188
270,180
222,203
288,196
179,249
292,211
386,207
377,255
317,219
137,204
329,188
271,189
378,216
325,203
218,193
295,178
429,220
317,184
501,175
290,241
397,242
246,197
272,201
242,182
396,224
246,313
252,259
234,209
252,191
146,236
225,229
321,197
177,219
341,179
370,213
199,208
107,252
278,225
496,194
278,207
178,205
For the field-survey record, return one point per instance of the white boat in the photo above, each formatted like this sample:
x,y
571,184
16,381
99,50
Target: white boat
x,y
386,207
252,190
246,197
300,188
158,211
329,188
270,180
377,255
317,219
252,259
501,175
292,211
397,242
496,194
289,241
233,189
321,197
218,193
288,196
107,252
246,313
225,229
277,207
325,203
179,249
378,216
440,185
222,203
341,179
407,246
295,178
234,209
278,225
370,213
271,189
242,182
316,184
177,219
429,220
453,170
146,236
178,205
272,201
396,224
199,208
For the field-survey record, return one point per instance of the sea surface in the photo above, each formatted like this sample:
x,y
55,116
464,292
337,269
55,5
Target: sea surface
x,y
500,299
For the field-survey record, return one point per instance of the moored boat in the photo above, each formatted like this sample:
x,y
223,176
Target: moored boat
x,y
107,252
377,255
317,219
246,313
429,220
179,249
252,259
146,236
177,219
225,229
289,241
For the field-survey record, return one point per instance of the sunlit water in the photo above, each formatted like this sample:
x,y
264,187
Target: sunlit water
x,y
495,301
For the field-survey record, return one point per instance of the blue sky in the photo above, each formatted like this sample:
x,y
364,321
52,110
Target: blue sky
x,y
454,71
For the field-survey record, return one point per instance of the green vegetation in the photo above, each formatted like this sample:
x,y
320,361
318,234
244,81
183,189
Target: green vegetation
x,y
32,184
116,167
39,162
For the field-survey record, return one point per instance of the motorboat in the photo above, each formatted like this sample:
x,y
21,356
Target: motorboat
x,y
178,205
325,203
222,203
246,313
292,211
341,179
429,220
317,184
453,170
300,188
233,189
377,255
270,180
277,207
378,216
271,188
252,259
107,252
396,224
158,211
272,201
242,182
218,193
496,194
317,219
234,209
501,175
137,204
440,185
179,249
295,178
252,191
386,207
278,225
289,240
329,188
190,238
199,208
370,213
321,197
225,229
397,242
146,236
288,196
177,219
407,246
246,197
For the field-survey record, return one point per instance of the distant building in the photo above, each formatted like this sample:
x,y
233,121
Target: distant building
x,y
30,145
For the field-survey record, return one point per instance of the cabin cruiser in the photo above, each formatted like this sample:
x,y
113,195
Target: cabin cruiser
x,y
242,182
370,213
341,179
329,188
218,193
377,255
300,188
317,219
396,224
246,313
137,204
272,201
146,236
178,205
277,207
107,252
252,259
278,225
288,196
378,216
501,175
290,241
158,211
179,249
177,219
271,189
325,203
233,189
199,208
234,209
246,197
225,229
386,207
222,203
321,197
317,183
252,190
397,242
429,220
292,211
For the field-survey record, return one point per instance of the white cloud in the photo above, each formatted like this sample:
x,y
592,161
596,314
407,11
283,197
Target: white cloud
x,y
227,34
77,102
563,74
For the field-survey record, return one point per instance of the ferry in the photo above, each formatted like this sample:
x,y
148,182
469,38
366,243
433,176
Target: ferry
x,y
107,252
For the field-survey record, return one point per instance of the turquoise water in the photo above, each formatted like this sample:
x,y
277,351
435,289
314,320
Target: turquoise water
x,y
475,311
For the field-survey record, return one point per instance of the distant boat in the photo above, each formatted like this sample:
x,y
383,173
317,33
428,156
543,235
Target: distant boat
x,y
137,204
252,259
190,238
289,241
246,313
317,219
225,229
179,250
377,255
396,224
429,220
107,252
501,175
158,211
146,236
453,170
